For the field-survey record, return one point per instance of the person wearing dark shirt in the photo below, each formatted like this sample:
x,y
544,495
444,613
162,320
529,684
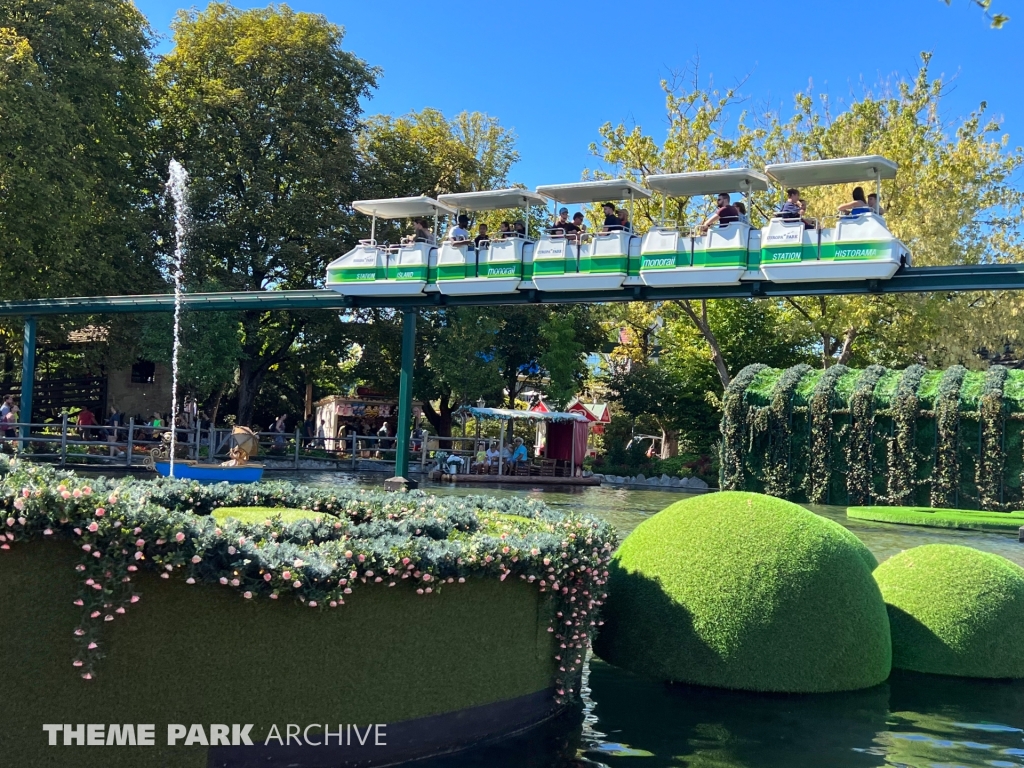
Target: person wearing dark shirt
x,y
623,215
562,222
791,209
481,235
611,219
726,213
504,230
519,229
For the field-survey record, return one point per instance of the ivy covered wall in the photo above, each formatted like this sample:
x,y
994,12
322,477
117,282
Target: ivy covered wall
x,y
915,437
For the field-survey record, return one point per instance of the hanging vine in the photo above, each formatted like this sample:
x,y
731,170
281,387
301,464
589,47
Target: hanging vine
x,y
991,464
946,474
735,429
902,449
858,445
819,463
778,470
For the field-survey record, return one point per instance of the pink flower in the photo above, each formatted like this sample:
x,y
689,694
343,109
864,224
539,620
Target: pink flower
x,y
247,595
86,490
97,554
296,584
25,492
161,542
334,603
235,582
267,577
77,494
312,603
119,609
286,575
273,596
139,555
79,602
137,531
87,547
112,499
22,521
10,522
19,504
133,568
348,553
179,536
135,599
79,632
231,550
462,579
100,511
196,559
140,542
362,558
93,527
93,646
48,532
405,561
87,676
94,615
348,590
165,575
89,582
223,579
76,663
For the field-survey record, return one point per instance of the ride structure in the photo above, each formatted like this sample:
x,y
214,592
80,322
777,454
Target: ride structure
x,y
244,446
859,246
598,260
399,269
497,265
722,255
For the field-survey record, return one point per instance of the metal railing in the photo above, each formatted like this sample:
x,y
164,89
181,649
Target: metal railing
x,y
66,443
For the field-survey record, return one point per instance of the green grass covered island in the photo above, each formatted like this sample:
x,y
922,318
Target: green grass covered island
x,y
940,518
745,591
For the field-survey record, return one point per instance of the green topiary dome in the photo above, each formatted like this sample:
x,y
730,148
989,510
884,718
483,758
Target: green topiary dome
x,y
739,590
955,611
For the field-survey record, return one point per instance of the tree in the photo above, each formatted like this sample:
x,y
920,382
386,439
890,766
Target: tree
x,y
998,20
954,201
76,177
262,107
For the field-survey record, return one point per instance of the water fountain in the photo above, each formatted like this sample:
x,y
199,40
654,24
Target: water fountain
x,y
244,441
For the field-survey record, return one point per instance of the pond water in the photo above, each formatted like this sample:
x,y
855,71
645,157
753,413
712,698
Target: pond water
x,y
911,721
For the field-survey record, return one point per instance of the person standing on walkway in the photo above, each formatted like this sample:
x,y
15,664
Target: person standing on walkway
x,y
279,427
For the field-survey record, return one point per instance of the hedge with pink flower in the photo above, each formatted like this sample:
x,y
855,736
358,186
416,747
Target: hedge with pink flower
x,y
351,540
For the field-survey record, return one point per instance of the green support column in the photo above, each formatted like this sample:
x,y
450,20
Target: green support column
x,y
403,430
28,373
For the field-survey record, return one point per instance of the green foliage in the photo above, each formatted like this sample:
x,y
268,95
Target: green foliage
x,y
955,611
777,421
77,185
346,540
738,590
940,518
563,359
261,107
946,473
880,435
735,428
859,475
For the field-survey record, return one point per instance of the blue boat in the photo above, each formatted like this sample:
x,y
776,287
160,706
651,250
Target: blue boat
x,y
211,473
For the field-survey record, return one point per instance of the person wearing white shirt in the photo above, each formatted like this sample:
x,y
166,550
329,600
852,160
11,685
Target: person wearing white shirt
x,y
460,232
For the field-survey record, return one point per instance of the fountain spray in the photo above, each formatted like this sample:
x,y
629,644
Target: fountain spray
x,y
177,184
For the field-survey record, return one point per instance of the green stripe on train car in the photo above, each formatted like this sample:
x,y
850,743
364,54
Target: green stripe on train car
x,y
858,251
721,257
552,266
411,273
454,271
355,274
603,264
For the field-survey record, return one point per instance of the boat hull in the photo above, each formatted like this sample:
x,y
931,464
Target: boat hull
x,y
211,473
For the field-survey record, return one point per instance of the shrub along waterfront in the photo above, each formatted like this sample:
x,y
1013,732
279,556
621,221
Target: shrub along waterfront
x,y
952,438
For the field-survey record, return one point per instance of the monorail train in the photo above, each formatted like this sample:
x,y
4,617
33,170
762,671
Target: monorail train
x,y
791,248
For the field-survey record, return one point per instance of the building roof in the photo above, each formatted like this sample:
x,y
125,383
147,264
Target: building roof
x,y
505,414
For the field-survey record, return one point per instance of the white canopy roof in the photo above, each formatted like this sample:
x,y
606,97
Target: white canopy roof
x,y
841,170
492,199
401,207
708,182
504,414
593,191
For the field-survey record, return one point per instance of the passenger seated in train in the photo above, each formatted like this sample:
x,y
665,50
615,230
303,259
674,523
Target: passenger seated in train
x,y
460,232
726,213
873,204
561,225
481,235
519,229
421,233
794,208
856,206
743,212
577,220
504,230
623,215
611,219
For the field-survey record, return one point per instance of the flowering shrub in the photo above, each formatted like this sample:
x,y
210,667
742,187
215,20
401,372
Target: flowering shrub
x,y
351,540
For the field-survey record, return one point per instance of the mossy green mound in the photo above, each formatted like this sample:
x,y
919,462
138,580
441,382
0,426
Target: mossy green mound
x,y
940,518
738,590
262,514
955,611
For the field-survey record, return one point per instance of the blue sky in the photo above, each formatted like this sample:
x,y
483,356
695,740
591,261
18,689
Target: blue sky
x,y
555,72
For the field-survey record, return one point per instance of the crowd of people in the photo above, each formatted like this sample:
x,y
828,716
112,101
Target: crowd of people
x,y
508,458
793,208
